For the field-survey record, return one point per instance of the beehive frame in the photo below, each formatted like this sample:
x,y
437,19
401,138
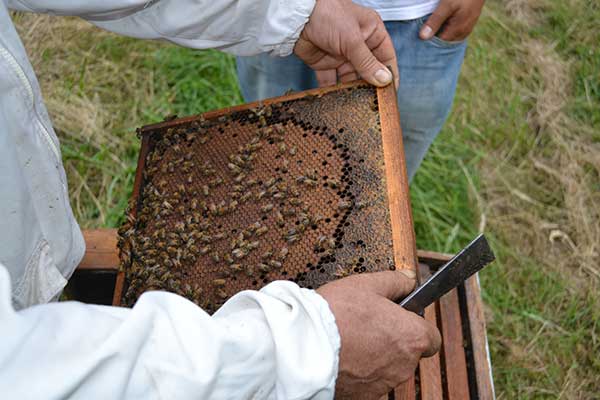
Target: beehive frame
x,y
390,214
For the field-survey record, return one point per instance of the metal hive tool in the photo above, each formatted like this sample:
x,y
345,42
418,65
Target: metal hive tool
x,y
293,188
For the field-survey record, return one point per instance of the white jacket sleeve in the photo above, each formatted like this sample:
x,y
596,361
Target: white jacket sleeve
x,y
281,342
241,27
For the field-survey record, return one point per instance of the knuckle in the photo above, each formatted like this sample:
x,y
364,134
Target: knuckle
x,y
422,344
423,340
373,15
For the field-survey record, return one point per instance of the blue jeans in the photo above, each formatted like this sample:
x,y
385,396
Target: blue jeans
x,y
428,75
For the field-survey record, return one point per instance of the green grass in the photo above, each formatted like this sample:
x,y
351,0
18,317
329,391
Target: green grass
x,y
518,158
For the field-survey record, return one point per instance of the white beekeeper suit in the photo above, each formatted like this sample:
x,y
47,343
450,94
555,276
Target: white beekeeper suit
x,y
281,342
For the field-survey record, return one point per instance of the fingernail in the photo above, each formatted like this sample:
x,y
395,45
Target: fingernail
x,y
383,77
409,273
426,32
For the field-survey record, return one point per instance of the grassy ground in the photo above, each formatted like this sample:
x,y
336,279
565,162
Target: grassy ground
x,y
519,159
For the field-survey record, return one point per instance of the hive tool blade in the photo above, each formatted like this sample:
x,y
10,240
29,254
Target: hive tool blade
x,y
468,261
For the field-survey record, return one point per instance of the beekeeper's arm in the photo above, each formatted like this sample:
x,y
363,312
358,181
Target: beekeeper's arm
x,y
281,342
334,37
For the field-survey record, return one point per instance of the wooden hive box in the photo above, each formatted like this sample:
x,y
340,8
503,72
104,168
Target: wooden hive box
x,y
308,187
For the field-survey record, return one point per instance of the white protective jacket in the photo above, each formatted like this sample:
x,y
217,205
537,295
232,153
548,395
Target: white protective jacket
x,y
281,342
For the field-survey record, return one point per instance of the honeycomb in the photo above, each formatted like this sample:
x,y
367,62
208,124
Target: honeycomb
x,y
234,199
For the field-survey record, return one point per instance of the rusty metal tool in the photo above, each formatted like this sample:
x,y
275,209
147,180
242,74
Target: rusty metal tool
x,y
471,259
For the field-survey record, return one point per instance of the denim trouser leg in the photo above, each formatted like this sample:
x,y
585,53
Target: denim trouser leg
x,y
428,75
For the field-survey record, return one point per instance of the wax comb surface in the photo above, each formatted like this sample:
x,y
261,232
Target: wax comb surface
x,y
293,188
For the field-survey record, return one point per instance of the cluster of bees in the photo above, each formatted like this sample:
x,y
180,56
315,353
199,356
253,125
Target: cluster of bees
x,y
180,217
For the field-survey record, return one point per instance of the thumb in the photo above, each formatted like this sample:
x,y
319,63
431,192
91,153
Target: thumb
x,y
389,284
367,66
435,21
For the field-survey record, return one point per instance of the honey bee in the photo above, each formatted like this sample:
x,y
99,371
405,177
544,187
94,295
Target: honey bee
x,y
239,253
236,267
270,182
266,255
283,253
293,150
204,225
266,208
292,238
221,208
275,264
333,183
361,205
215,182
341,272
219,282
240,177
263,268
294,201
261,231
320,242
289,212
234,168
215,257
204,250
344,205
249,270
255,146
279,219
245,197
228,259
220,236
282,148
253,245
205,190
261,194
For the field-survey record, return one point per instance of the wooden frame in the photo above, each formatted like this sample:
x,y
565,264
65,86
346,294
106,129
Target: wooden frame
x,y
401,222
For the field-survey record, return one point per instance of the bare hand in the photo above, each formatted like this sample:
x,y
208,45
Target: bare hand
x,y
381,342
456,18
344,40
